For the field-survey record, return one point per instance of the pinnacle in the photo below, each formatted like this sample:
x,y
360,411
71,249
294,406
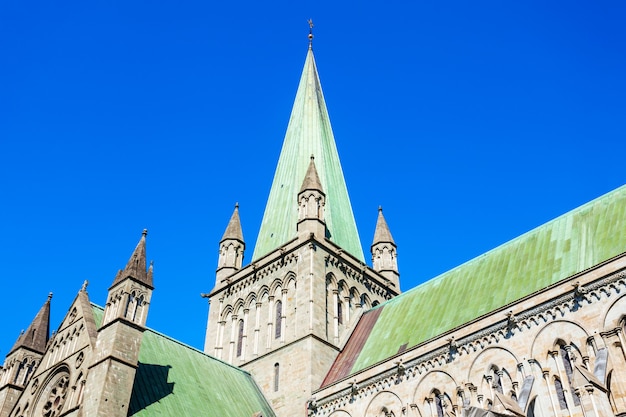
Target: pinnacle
x,y
37,335
233,230
382,233
136,266
311,179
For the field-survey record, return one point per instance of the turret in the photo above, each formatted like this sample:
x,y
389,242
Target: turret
x,y
232,248
384,256
23,359
311,202
111,375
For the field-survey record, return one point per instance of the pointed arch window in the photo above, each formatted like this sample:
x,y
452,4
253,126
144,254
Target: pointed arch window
x,y
497,381
276,376
560,394
438,405
569,369
279,320
240,338
339,311
129,305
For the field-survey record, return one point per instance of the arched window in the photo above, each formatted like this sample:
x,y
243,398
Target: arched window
x,y
438,405
276,376
339,311
569,370
279,320
19,371
497,381
240,339
558,386
129,304
139,303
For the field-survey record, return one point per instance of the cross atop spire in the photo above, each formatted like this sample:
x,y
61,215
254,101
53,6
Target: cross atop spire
x,y
310,33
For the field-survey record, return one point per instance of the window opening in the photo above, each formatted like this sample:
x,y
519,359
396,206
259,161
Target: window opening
x,y
279,320
240,339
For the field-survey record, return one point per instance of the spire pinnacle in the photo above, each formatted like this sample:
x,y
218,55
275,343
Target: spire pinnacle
x,y
136,266
311,178
37,335
382,233
233,230
310,33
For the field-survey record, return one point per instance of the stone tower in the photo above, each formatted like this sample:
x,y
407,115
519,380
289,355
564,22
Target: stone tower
x,y
285,316
112,370
23,359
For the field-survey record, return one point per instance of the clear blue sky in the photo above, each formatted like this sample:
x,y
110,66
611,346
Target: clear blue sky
x,y
470,123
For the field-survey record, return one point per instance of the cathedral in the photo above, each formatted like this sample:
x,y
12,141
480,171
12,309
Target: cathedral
x,y
310,327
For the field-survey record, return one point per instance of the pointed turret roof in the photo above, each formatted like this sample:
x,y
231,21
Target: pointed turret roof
x,y
233,230
136,266
382,233
308,133
312,179
36,336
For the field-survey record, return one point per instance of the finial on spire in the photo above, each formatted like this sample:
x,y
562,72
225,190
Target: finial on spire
x,y
310,33
312,157
84,287
144,233
237,205
380,209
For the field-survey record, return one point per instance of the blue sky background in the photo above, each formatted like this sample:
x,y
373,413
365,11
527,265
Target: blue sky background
x,y
470,123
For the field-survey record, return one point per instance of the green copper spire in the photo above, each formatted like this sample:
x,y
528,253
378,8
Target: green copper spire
x,y
308,133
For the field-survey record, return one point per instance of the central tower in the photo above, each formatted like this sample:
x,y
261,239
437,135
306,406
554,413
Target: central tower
x,y
285,316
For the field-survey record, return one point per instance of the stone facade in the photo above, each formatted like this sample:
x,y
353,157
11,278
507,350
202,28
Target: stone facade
x,y
548,352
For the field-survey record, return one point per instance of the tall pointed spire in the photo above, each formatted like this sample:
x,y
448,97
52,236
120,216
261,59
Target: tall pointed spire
x,y
36,336
136,266
309,133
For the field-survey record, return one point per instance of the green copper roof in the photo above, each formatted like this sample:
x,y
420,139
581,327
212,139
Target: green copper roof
x,y
556,250
308,133
176,380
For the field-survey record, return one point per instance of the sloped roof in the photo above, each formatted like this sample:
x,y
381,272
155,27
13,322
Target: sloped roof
x,y
308,133
576,241
174,379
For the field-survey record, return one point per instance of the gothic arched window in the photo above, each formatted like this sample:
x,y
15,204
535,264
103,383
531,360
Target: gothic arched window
x,y
240,338
339,311
279,320
276,376
558,386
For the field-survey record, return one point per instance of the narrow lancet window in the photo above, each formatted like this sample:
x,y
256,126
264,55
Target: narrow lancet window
x,y
276,376
279,320
240,339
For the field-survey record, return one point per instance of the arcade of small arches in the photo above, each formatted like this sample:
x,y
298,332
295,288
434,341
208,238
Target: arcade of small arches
x,y
567,374
266,318
129,304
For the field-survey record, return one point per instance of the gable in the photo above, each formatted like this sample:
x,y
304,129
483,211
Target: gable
x,y
576,241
